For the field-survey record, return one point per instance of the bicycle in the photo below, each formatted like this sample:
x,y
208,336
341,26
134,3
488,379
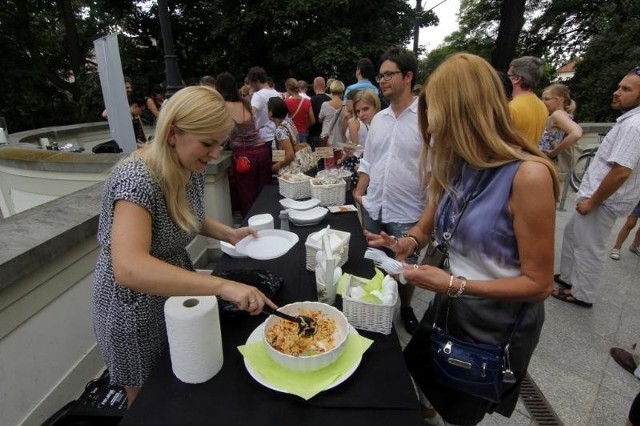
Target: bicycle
x,y
582,164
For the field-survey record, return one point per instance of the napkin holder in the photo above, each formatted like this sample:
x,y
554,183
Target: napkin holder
x,y
339,250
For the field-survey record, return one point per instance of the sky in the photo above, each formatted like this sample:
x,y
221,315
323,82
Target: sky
x,y
431,37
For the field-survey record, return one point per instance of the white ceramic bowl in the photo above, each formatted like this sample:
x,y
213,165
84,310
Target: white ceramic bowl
x,y
261,221
307,217
311,362
288,203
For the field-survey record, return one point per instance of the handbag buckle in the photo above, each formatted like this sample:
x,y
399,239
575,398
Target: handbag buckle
x,y
507,374
447,348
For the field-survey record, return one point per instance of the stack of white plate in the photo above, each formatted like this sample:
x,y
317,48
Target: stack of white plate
x,y
307,217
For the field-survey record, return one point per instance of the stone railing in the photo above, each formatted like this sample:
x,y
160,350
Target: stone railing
x,y
47,257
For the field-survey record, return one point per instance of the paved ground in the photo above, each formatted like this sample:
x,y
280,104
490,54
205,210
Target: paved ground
x,y
571,365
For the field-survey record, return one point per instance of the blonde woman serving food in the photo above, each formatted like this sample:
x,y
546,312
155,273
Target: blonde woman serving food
x,y
561,133
152,207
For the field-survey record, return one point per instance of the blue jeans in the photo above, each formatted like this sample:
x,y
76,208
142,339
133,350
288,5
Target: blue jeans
x,y
394,229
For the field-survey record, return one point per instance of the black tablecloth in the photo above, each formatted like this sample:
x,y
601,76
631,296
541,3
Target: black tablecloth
x,y
378,393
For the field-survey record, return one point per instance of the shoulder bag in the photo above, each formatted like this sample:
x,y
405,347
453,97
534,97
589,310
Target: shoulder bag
x,y
478,369
241,163
304,159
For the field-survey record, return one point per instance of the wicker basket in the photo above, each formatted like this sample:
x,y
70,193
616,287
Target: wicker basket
x,y
295,190
342,251
366,315
329,195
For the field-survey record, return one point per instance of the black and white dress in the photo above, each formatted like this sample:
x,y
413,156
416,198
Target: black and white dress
x,y
129,325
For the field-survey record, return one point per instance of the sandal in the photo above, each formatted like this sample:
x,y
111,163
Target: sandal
x,y
560,281
566,296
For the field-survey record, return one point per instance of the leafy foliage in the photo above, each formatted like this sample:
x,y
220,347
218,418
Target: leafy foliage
x,y
49,45
602,36
609,55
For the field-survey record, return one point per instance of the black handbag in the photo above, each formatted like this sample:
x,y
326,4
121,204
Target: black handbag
x,y
436,255
478,369
474,368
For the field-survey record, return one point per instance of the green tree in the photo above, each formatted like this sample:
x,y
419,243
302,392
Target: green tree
x,y
49,45
602,36
48,75
288,38
609,55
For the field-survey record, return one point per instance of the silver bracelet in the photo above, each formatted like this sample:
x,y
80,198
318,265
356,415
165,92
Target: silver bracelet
x,y
463,283
450,287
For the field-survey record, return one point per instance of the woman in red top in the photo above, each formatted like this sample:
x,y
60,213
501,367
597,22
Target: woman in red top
x,y
300,111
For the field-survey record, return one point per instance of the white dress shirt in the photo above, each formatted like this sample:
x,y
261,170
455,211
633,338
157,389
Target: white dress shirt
x,y
259,100
621,146
392,161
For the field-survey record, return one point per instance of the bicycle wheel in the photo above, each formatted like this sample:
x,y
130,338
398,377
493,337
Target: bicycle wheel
x,y
579,169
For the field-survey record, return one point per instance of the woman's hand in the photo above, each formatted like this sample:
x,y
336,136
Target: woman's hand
x,y
427,277
239,233
246,297
402,247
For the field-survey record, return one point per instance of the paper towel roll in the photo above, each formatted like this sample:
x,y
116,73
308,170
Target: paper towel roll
x,y
195,340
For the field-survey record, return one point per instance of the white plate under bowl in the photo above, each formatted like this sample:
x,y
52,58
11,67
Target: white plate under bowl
x,y
288,203
230,249
256,336
270,244
307,217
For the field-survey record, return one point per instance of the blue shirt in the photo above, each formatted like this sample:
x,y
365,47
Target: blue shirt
x,y
360,85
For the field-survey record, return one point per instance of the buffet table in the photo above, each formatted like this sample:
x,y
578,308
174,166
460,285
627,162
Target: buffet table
x,y
379,392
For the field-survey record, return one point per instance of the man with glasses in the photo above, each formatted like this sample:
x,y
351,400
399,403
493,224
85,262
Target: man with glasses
x,y
528,112
610,189
389,188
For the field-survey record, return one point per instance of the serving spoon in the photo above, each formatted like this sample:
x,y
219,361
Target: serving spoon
x,y
306,324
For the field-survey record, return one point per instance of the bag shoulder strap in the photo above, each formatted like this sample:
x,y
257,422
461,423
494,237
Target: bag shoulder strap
x,y
447,236
298,109
335,118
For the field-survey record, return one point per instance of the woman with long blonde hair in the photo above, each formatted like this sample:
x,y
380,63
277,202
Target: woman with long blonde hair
x,y
500,240
152,207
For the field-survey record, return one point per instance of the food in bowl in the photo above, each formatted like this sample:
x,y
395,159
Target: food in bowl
x,y
285,337
319,353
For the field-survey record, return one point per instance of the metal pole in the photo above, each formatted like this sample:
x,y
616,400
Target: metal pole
x,y
174,80
416,27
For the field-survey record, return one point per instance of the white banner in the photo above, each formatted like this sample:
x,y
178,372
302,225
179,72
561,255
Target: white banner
x,y
114,93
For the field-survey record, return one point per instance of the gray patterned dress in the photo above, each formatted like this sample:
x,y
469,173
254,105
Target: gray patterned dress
x,y
129,325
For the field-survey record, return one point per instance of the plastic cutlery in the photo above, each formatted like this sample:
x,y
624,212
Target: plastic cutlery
x,y
390,266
